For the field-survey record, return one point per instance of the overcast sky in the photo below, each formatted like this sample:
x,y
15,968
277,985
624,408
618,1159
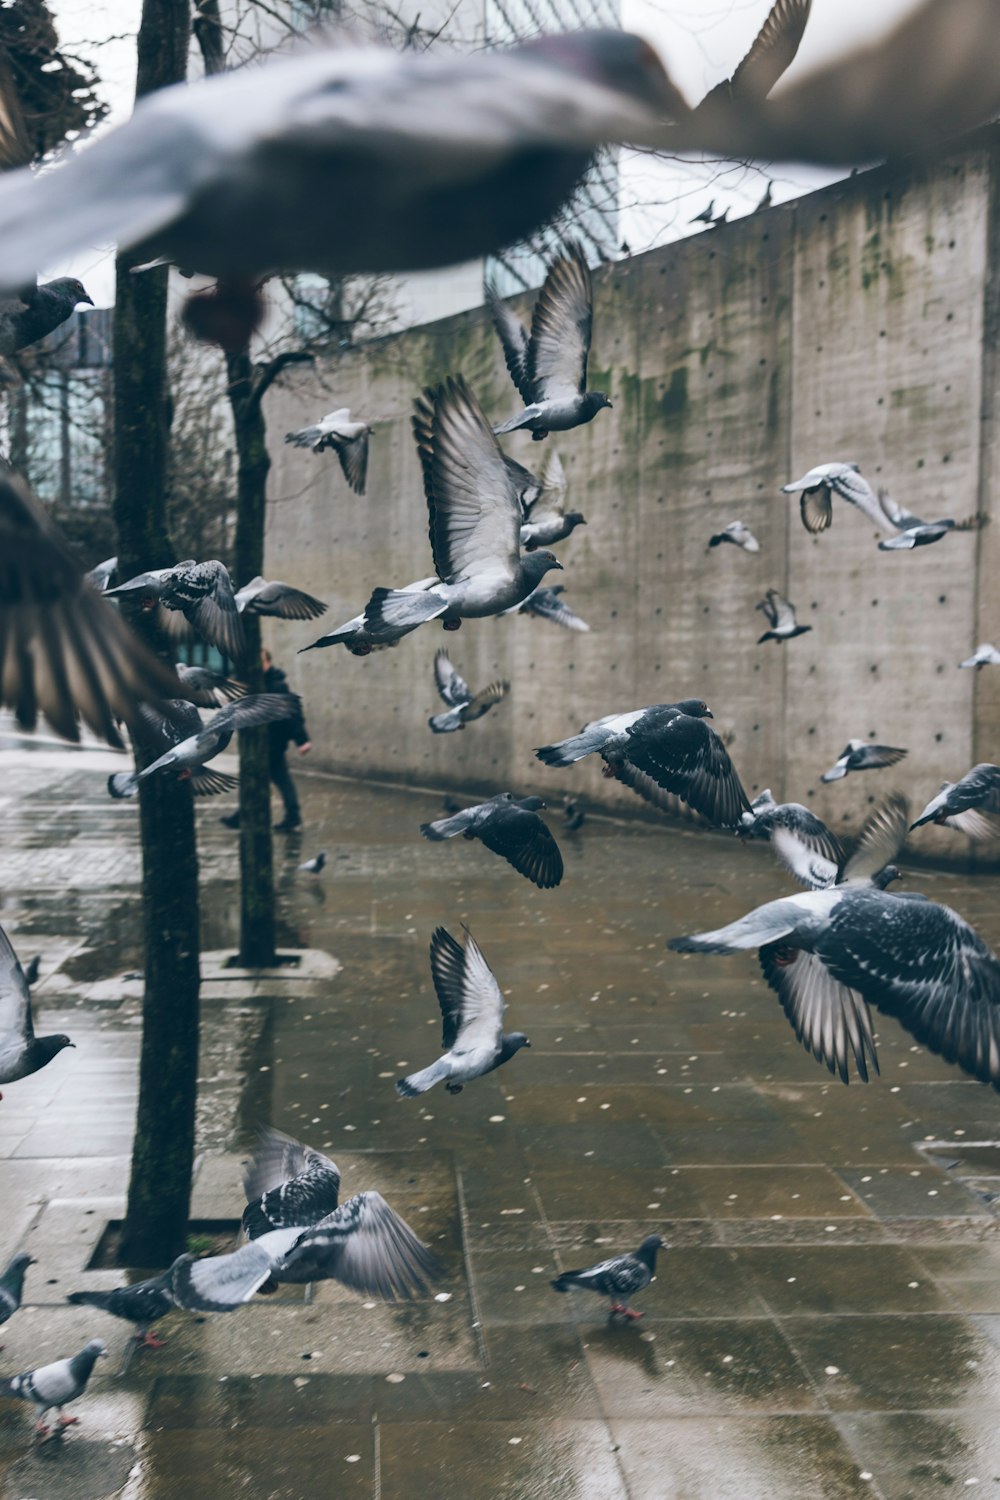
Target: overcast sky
x,y
701,41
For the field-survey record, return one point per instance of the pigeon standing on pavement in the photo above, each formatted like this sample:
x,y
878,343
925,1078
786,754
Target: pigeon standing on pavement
x,y
972,804
21,1052
859,755
818,487
142,1303
315,866
186,758
55,1385
780,615
546,522
472,1009
707,215
739,534
12,1286
201,592
349,440
547,604
549,365
37,311
619,1278
983,656
464,706
277,600
509,826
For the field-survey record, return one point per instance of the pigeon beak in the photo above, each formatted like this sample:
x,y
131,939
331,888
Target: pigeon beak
x,y
557,565
89,300
526,1042
71,1044
708,714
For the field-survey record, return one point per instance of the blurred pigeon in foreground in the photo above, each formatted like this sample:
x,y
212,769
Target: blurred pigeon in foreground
x,y
349,440
188,756
379,627
510,827
825,953
99,578
670,744
464,706
547,604
739,534
201,592
63,651
37,310
55,1385
780,615
21,1052
314,866
209,689
984,656
618,1278
549,366
277,600
12,1286
859,755
287,1184
472,1010
972,804
142,1303
818,487
545,520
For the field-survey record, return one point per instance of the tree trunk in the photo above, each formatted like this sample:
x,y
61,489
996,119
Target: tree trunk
x,y
257,932
159,1193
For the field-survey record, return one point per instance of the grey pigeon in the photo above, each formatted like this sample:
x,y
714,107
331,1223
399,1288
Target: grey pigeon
x,y
383,623
707,214
910,530
818,487
827,953
187,757
162,729
546,522
209,689
721,218
547,604
619,1278
347,158
671,745
12,1286
287,1184
349,440
142,1303
549,366
509,826
527,484
314,866
464,706
472,1010
859,755
983,656
809,851
870,862
972,804
475,523
55,1385
63,651
772,52
37,311
99,578
21,1052
739,534
201,592
780,616
277,600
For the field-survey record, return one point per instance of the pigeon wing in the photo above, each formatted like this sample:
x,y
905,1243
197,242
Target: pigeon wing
x,y
879,841
278,600
366,1246
513,337
773,51
882,755
353,455
816,506
473,507
781,611
285,1178
546,603
204,595
453,689
484,701
830,1020
16,1030
471,1004
254,709
561,329
853,486
801,858
686,756
523,840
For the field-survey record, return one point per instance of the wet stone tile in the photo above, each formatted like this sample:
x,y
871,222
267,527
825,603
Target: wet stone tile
x,y
835,1278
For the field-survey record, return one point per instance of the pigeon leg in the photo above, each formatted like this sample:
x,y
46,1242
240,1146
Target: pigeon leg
x,y
68,1421
616,1307
360,650
630,1312
41,1427
147,1340
609,770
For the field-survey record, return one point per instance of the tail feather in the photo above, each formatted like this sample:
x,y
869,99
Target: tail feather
x,y
89,1299
123,784
566,752
567,1282
419,1083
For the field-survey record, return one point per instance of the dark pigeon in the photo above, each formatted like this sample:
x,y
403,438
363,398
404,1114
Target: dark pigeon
x,y
201,592
21,1052
201,743
619,1278
707,214
287,1184
509,826
381,625
472,1010
464,706
739,534
143,1303
32,970
780,615
12,1286
55,1385
859,755
37,311
972,804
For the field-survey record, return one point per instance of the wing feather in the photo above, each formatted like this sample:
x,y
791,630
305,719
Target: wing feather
x,y
561,328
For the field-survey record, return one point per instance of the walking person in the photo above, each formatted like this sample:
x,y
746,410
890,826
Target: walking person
x,y
280,735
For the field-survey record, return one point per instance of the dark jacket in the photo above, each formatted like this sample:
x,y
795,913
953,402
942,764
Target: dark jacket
x,y
284,731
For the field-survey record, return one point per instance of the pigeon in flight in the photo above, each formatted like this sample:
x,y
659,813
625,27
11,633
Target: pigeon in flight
x,y
349,440
619,1278
12,1286
818,487
21,1052
55,1385
780,615
277,600
826,953
739,534
545,521
859,755
472,1009
910,530
509,826
37,310
464,706
99,578
207,688
63,652
804,845
159,730
475,523
315,866
549,365
186,759
385,621
201,592
983,656
773,51
670,745
547,604
287,1184
870,863
972,804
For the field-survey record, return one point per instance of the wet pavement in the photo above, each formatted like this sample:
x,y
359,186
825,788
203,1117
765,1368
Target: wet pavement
x,y
825,1323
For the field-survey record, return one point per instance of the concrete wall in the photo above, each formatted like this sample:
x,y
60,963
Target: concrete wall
x,y
858,323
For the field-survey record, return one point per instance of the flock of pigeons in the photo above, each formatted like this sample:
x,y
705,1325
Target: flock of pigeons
x,y
443,158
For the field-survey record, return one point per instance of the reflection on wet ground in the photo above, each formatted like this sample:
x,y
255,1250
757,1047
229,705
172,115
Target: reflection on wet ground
x,y
826,1321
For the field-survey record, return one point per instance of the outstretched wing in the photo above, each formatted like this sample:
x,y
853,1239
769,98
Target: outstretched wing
x,y
204,595
220,1283
254,709
561,329
366,1246
353,455
879,841
686,756
816,506
471,1004
287,1183
16,1030
513,337
453,689
773,51
830,1020
523,840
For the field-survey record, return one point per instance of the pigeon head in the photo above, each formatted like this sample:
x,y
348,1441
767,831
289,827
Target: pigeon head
x,y
516,1040
68,287
694,708
576,518
48,1046
886,876
529,804
535,565
647,1250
